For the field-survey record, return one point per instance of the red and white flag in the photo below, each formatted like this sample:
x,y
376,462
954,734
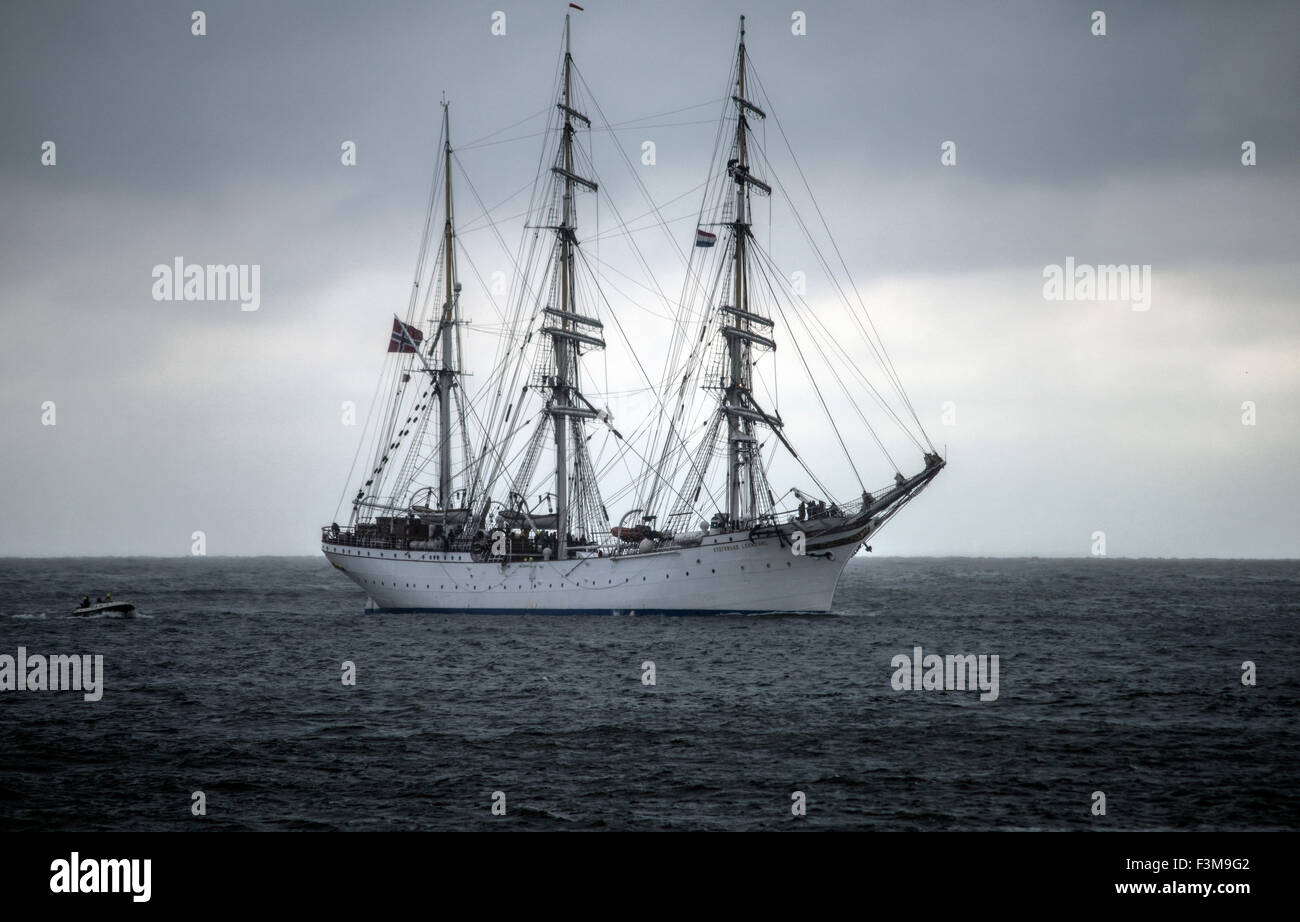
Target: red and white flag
x,y
405,338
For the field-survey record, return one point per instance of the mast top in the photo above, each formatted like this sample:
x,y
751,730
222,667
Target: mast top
x,y
740,57
446,130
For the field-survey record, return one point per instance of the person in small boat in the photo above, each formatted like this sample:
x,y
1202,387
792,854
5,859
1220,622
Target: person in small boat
x,y
85,601
108,597
99,601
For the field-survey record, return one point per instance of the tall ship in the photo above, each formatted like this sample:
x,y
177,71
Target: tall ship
x,y
491,471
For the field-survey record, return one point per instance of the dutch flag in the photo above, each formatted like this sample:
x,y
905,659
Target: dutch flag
x,y
703,238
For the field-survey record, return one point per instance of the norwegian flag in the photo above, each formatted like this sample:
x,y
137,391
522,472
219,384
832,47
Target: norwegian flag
x,y
703,238
405,338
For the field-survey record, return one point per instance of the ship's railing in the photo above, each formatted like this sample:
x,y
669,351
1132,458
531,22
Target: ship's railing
x,y
350,538
482,545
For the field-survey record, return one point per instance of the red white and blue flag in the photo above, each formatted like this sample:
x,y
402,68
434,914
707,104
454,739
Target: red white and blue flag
x,y
405,338
703,238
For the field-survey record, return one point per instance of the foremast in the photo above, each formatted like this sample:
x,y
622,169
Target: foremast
x,y
744,328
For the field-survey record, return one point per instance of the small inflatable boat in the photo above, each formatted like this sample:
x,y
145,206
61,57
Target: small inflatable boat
x,y
123,607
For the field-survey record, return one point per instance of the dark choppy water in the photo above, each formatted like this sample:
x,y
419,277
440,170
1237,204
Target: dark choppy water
x,y
1119,676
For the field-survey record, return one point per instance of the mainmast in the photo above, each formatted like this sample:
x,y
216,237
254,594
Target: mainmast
x,y
446,327
565,338
735,347
566,301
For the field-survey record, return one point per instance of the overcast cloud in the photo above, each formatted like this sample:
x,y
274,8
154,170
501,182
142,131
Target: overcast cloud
x,y
1071,417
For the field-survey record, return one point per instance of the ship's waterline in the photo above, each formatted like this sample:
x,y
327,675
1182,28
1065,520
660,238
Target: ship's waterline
x,y
734,575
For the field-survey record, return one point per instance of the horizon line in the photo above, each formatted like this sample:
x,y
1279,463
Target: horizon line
x,y
856,556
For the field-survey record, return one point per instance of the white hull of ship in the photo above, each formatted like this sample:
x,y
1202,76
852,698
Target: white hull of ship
x,y
725,574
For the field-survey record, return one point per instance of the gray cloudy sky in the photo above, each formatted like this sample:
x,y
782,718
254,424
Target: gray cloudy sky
x,y
1071,417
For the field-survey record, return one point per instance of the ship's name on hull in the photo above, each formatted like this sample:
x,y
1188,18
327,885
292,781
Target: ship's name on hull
x,y
732,547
